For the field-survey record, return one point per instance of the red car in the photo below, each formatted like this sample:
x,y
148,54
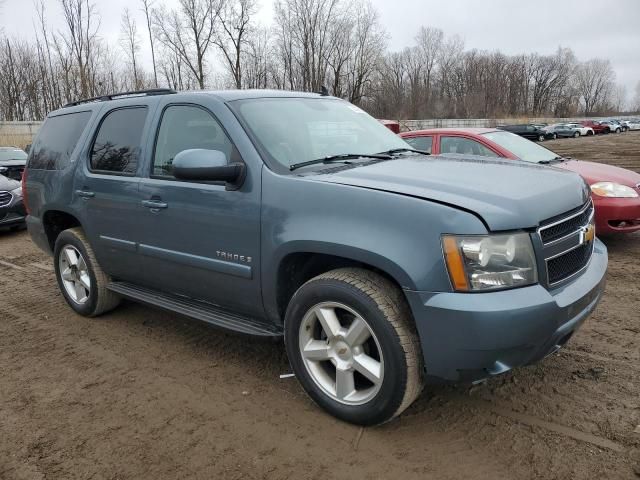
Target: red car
x,y
596,126
615,191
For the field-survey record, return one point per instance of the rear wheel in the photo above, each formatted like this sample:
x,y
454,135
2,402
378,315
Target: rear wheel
x,y
541,138
353,347
80,278
618,130
576,134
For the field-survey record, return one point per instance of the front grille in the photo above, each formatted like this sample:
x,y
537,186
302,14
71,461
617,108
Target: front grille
x,y
568,264
562,228
5,198
567,246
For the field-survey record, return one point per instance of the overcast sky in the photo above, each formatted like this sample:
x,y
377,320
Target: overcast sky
x,y
606,29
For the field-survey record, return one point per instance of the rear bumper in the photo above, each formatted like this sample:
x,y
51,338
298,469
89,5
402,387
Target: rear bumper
x,y
617,215
467,337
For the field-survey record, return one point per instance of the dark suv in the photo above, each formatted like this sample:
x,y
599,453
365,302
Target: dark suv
x,y
298,215
529,131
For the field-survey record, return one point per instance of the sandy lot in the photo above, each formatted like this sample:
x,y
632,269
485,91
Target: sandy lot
x,y
141,393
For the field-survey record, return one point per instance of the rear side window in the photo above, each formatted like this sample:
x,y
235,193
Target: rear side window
x,y
464,146
116,148
56,141
420,143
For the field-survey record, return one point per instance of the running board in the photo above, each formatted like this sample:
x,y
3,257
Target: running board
x,y
205,312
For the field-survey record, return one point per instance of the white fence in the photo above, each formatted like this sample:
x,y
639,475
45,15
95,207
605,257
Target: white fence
x,y
18,134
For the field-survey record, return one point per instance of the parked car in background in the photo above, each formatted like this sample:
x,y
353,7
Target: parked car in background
x,y
12,211
615,191
633,124
298,216
12,162
624,124
614,126
528,131
392,125
598,127
560,130
581,129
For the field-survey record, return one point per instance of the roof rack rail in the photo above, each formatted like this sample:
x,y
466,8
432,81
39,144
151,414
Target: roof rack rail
x,y
135,93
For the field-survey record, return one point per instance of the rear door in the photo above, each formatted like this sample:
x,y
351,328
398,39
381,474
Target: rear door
x,y
199,239
106,188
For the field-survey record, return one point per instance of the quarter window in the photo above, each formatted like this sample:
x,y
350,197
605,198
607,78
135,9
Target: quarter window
x,y
420,143
117,146
56,141
185,127
464,146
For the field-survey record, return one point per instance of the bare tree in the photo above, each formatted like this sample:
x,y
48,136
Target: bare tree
x,y
594,81
130,44
147,5
189,32
235,22
80,39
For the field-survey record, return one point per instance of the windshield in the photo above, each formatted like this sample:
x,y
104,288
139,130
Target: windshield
x,y
522,148
296,130
12,154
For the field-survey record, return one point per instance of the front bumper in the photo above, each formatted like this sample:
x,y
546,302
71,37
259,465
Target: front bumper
x,y
13,214
470,336
616,215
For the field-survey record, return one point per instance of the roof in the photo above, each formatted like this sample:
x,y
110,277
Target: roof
x,y
469,130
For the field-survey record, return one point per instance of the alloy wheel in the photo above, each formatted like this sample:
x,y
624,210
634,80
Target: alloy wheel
x,y
341,353
75,274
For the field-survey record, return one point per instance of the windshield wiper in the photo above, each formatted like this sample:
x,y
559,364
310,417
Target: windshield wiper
x,y
338,158
401,150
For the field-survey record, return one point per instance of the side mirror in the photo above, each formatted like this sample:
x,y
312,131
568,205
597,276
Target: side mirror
x,y
207,166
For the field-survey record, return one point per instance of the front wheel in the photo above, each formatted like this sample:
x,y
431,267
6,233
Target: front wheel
x,y
352,345
618,130
80,278
576,134
541,138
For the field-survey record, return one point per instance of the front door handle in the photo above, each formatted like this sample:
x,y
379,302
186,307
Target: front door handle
x,y
86,194
154,204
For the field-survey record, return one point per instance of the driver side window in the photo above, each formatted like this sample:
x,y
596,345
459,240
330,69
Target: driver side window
x,y
185,127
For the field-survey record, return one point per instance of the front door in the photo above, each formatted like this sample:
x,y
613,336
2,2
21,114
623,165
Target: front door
x,y
200,240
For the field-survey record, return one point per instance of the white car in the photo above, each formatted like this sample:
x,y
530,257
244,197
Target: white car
x,y
581,129
632,124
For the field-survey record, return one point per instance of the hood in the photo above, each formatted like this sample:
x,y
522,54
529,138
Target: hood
x,y
506,194
13,163
599,172
7,184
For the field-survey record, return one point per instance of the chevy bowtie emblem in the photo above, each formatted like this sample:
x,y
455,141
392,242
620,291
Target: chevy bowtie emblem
x,y
587,234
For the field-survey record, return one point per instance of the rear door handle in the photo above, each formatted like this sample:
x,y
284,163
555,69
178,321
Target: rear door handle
x,y
85,194
154,204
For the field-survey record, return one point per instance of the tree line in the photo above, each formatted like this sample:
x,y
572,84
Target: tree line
x,y
338,44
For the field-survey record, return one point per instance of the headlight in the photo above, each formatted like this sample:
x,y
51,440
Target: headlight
x,y
615,190
490,262
17,192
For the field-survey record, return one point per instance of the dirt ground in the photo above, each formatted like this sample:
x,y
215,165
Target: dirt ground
x,y
145,394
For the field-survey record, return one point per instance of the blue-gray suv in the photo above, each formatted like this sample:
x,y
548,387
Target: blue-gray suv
x,y
297,215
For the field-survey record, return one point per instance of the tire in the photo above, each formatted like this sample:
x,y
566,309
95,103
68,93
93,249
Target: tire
x,y
97,298
576,134
337,301
618,130
555,136
589,133
541,138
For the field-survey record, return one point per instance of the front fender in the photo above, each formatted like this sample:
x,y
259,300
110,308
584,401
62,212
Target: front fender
x,y
398,234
